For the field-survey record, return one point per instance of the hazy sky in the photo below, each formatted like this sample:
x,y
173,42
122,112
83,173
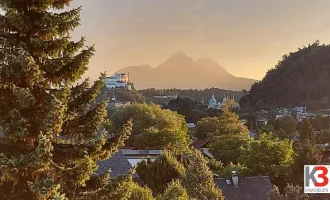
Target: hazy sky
x,y
247,37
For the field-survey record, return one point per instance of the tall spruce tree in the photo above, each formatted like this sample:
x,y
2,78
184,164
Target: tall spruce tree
x,y
307,131
49,143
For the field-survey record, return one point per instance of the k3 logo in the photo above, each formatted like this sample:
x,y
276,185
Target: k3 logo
x,y
316,179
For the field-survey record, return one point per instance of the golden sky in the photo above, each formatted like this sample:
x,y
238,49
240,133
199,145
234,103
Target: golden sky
x,y
247,37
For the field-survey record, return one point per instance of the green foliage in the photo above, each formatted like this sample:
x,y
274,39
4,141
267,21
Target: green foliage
x,y
291,192
266,129
214,165
157,174
198,179
294,82
195,95
320,123
174,191
207,127
153,127
287,126
121,95
323,137
227,170
227,123
306,154
228,148
140,193
268,156
191,110
50,144
307,131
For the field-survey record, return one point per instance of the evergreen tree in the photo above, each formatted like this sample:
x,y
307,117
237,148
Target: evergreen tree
x,y
174,191
198,179
49,143
306,154
140,193
291,192
159,173
307,131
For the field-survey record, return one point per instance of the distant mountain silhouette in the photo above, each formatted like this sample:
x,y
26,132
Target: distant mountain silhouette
x,y
182,72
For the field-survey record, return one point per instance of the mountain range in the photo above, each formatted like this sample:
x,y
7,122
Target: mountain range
x,y
182,72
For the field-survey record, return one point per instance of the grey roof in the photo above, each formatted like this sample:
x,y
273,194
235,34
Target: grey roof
x,y
133,152
118,164
249,188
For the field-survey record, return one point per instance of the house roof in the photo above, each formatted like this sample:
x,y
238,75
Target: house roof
x,y
200,143
249,188
118,164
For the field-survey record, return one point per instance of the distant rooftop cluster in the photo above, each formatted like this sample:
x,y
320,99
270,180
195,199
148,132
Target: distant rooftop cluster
x,y
213,103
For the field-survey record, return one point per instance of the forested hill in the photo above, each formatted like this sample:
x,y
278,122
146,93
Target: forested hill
x,y
300,78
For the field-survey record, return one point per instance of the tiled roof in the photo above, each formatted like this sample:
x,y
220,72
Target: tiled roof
x,y
200,143
118,164
249,188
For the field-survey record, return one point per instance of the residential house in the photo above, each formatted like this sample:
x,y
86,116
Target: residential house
x,y
134,156
280,116
202,145
118,164
261,121
301,116
244,188
284,111
191,125
300,109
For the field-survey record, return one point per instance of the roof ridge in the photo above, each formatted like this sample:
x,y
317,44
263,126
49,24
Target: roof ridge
x,y
249,177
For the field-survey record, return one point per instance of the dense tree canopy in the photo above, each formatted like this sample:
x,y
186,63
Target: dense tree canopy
x,y
207,127
291,192
191,110
307,131
285,127
159,173
121,95
193,94
268,156
153,127
198,179
229,148
174,191
49,146
140,193
300,78
306,154
191,168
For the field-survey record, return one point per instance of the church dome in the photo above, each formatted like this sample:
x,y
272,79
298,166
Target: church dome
x,y
213,101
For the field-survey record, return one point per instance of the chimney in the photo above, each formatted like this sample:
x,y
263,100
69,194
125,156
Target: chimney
x,y
234,176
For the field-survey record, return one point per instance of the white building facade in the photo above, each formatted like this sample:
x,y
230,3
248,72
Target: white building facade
x,y
118,81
